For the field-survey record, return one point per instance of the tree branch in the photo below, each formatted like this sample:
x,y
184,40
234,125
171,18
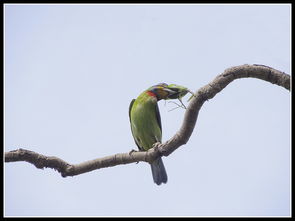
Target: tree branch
x,y
165,149
66,169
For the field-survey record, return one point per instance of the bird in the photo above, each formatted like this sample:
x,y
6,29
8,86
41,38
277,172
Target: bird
x,y
146,127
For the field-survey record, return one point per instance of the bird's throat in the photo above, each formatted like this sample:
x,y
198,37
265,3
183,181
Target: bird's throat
x,y
151,94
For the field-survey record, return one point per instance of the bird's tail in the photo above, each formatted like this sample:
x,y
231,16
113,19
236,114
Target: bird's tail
x,y
158,171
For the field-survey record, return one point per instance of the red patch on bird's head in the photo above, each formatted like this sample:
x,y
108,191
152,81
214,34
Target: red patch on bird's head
x,y
151,94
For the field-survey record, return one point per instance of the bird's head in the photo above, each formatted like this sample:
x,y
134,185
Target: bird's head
x,y
161,91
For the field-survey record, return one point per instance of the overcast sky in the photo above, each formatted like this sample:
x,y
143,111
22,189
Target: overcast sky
x,y
72,70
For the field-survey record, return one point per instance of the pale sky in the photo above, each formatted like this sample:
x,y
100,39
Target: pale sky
x,y
72,70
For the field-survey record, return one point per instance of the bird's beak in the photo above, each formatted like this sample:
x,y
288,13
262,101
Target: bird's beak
x,y
176,91
170,93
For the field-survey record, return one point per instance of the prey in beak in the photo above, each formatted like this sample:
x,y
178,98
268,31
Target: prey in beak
x,y
177,92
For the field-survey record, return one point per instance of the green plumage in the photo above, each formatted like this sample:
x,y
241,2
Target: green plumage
x,y
146,129
145,121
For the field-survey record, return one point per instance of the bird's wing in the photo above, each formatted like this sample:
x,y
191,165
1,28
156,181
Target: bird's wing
x,y
158,117
130,107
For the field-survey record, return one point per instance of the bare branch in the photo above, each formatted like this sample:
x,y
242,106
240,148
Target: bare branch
x,y
181,137
210,90
66,169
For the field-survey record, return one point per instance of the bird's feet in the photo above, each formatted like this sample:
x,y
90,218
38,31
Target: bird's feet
x,y
131,151
156,146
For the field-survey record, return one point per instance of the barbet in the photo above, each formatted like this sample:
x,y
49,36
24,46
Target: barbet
x,y
146,125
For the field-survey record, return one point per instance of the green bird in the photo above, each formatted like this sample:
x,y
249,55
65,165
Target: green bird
x,y
146,125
